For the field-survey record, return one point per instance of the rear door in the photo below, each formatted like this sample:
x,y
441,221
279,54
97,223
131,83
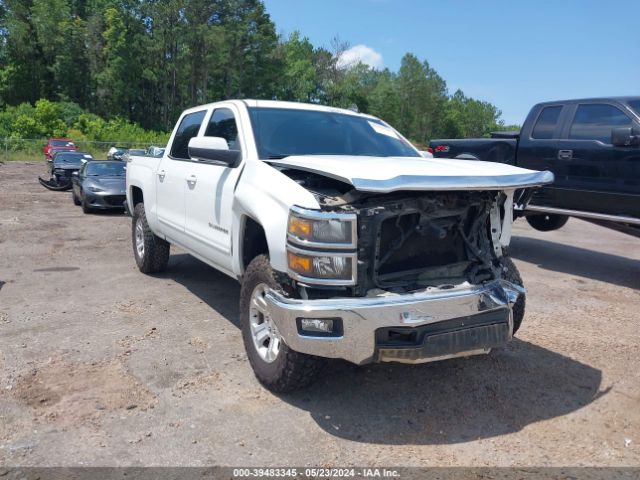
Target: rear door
x,y
171,177
589,163
209,193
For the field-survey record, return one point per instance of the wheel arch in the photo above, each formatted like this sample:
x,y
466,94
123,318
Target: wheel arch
x,y
137,196
253,241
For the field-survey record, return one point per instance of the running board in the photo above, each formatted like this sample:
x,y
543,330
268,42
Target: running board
x,y
588,215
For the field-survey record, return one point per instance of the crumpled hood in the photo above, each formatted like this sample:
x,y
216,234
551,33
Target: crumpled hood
x,y
389,174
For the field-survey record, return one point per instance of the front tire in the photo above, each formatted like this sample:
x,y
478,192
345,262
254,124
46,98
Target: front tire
x,y
150,251
76,200
275,365
547,222
85,206
511,274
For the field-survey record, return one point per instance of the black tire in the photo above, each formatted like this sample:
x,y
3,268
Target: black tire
x,y
511,274
85,206
547,222
155,254
76,200
290,370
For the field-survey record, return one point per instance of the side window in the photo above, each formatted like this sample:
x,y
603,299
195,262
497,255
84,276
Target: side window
x,y
594,122
188,129
546,123
223,124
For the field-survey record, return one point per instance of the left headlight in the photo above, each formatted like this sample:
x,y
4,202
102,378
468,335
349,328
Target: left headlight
x,y
93,188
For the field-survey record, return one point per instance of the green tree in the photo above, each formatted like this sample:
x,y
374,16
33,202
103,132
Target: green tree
x,y
423,95
298,80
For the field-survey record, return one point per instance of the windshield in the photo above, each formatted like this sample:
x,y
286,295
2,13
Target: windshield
x,y
635,106
115,169
72,157
280,132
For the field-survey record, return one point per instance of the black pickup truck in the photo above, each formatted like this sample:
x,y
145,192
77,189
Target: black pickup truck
x,y
591,145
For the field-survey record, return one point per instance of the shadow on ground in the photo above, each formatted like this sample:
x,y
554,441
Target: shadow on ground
x,y
220,292
581,262
452,401
440,403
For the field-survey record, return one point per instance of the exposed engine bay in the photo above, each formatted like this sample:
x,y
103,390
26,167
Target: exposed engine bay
x,y
415,240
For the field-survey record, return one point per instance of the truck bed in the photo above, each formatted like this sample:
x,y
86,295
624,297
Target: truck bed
x,y
499,150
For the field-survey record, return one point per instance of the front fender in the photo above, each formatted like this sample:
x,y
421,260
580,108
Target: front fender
x,y
266,195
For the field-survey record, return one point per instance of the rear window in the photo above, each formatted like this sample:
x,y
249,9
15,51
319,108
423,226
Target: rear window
x,y
187,129
546,123
595,122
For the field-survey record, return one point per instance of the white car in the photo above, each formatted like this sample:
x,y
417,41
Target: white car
x,y
347,242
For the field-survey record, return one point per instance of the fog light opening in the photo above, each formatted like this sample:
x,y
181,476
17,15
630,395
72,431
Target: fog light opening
x,y
316,325
320,327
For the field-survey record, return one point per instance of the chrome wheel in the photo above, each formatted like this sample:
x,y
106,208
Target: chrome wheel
x,y
139,238
265,335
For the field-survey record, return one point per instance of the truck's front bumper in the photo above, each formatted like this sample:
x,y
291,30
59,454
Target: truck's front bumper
x,y
422,326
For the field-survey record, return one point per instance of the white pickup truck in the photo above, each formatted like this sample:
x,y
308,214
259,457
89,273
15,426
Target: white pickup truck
x,y
346,241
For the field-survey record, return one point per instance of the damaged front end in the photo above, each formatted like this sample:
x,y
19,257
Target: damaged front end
x,y
413,240
407,276
55,183
59,179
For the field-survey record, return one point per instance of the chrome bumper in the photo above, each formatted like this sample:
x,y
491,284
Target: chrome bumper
x,y
362,317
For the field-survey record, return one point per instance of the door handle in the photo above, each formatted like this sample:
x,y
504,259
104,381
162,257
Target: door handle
x,y
565,154
192,179
161,174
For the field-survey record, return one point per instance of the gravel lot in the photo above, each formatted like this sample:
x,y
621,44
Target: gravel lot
x,y
101,365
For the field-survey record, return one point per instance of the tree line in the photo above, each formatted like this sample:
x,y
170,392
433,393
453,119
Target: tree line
x,y
145,61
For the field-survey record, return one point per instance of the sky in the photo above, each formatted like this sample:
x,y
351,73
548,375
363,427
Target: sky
x,y
511,53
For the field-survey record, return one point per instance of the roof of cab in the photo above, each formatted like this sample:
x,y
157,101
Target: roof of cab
x,y
281,104
622,99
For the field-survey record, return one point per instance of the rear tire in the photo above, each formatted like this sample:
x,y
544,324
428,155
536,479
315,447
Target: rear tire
x,y
281,369
547,222
511,274
150,251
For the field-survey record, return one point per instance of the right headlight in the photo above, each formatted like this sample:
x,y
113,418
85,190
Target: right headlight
x,y
323,268
310,228
321,247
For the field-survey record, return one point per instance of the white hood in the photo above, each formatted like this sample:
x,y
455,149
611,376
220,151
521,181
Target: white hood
x,y
388,174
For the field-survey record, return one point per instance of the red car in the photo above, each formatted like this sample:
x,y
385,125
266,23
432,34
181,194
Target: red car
x,y
55,144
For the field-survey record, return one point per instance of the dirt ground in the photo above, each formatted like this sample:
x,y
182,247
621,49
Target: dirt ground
x,y
101,365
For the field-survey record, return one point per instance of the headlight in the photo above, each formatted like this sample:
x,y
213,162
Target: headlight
x,y
322,229
96,189
325,268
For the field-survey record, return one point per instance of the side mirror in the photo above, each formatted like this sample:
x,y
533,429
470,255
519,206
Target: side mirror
x,y
624,137
214,150
74,174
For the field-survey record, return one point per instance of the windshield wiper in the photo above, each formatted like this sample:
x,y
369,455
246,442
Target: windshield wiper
x,y
277,157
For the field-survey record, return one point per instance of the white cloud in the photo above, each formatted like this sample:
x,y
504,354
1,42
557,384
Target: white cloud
x,y
360,53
